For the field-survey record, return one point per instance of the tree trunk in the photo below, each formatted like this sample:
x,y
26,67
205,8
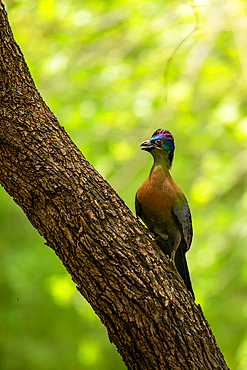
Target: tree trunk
x,y
117,267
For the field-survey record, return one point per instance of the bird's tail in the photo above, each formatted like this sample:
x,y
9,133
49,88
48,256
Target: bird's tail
x,y
180,261
182,267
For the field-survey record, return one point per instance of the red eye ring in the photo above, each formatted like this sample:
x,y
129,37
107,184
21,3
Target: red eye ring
x,y
158,141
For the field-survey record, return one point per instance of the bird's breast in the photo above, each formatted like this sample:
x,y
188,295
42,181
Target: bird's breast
x,y
156,196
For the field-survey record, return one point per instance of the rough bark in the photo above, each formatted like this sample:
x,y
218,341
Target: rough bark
x,y
138,295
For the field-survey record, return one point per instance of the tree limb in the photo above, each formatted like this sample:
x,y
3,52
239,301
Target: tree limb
x,y
117,267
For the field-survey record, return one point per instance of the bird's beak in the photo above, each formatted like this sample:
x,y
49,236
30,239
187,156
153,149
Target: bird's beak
x,y
147,145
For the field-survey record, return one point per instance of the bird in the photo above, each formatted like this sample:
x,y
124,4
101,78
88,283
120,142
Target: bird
x,y
163,207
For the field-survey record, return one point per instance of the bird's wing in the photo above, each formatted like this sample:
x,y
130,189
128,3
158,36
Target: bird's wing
x,y
138,209
182,212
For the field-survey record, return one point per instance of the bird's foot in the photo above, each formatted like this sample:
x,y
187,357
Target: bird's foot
x,y
152,235
172,259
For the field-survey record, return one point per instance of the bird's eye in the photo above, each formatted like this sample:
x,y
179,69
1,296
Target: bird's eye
x,y
158,141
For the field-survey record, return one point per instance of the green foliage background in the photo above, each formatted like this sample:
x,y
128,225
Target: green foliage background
x,y
99,67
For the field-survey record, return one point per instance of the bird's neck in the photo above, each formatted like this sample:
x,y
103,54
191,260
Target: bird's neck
x,y
161,159
161,164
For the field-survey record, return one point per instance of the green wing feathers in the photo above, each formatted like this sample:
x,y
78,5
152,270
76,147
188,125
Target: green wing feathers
x,y
182,213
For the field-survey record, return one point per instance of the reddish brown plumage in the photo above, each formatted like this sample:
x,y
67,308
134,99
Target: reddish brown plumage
x,y
156,197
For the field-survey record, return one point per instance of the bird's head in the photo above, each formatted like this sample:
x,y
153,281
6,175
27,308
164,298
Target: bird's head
x,y
161,145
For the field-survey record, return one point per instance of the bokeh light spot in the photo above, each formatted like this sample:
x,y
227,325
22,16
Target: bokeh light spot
x,y
62,289
146,8
88,352
88,108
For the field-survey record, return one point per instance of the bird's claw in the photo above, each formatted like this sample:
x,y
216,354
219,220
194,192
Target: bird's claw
x,y
172,259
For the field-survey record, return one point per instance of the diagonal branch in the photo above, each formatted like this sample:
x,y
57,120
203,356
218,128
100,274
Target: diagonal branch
x,y
139,297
